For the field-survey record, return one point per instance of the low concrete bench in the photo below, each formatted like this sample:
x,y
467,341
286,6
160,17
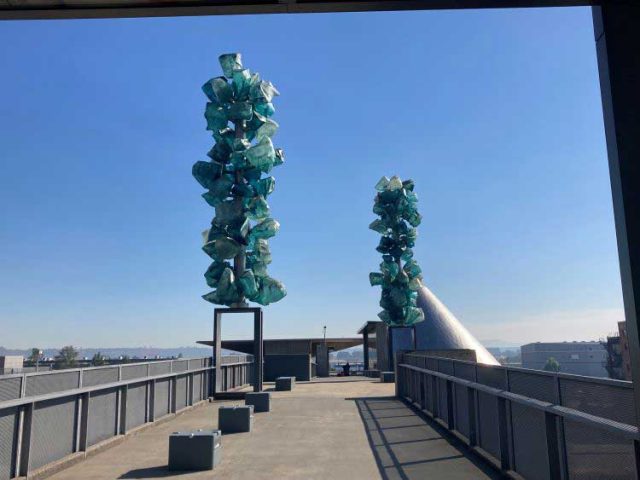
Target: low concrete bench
x,y
285,383
261,401
387,377
197,450
235,418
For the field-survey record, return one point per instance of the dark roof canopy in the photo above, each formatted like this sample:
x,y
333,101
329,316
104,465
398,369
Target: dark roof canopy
x,y
288,345
45,9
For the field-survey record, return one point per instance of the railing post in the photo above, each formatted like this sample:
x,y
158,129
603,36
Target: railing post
x,y
173,392
122,421
25,441
505,463
471,400
562,445
553,451
190,389
83,422
151,410
450,424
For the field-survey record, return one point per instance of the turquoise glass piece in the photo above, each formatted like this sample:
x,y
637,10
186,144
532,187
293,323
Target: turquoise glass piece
x,y
222,91
378,226
267,129
261,251
257,208
389,269
237,115
214,272
270,291
226,292
238,160
240,111
216,117
262,155
279,160
206,173
241,83
247,283
230,62
222,248
243,190
219,190
412,269
265,229
265,186
220,153
400,275
264,92
264,108
239,229
382,184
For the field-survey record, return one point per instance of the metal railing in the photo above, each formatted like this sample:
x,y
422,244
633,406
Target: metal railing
x,y
538,425
237,371
47,416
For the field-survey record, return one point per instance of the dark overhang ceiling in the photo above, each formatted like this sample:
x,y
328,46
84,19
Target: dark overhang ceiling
x,y
51,9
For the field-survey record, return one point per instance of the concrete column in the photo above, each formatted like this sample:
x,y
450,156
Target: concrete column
x,y
322,360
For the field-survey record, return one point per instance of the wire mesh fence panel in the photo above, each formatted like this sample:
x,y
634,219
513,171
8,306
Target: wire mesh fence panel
x,y
197,387
41,384
594,454
159,368
529,442
136,405
461,409
180,365
161,399
99,376
102,419
443,399
181,392
465,370
53,431
488,434
8,433
10,388
445,366
613,401
533,385
491,376
130,372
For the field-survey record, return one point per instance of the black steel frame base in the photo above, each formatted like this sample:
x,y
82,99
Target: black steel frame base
x,y
258,350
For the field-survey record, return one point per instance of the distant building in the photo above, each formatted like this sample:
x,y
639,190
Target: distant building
x,y
618,360
11,364
579,358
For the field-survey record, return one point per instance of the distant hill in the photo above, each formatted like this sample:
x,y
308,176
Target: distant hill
x,y
116,352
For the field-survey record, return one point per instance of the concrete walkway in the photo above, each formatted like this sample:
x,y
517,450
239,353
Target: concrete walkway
x,y
338,429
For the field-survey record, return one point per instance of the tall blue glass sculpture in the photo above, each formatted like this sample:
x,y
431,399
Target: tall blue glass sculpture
x,y
400,276
238,116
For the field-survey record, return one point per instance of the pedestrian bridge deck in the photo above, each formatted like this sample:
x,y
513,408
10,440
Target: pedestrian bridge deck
x,y
340,428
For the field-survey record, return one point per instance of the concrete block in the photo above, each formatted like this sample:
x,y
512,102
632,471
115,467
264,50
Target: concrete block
x,y
235,418
197,450
261,401
387,377
285,383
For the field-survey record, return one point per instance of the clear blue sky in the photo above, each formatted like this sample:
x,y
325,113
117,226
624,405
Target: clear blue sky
x,y
496,115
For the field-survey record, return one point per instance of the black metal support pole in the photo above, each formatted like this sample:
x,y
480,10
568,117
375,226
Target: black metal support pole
x,y
216,383
258,353
617,34
365,349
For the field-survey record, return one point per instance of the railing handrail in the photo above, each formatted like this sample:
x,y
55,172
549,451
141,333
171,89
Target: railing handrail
x,y
628,431
567,376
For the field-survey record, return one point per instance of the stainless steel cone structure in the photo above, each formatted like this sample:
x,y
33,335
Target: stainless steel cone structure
x,y
441,330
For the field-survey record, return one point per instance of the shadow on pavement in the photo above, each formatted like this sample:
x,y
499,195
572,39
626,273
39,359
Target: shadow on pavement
x,y
409,446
